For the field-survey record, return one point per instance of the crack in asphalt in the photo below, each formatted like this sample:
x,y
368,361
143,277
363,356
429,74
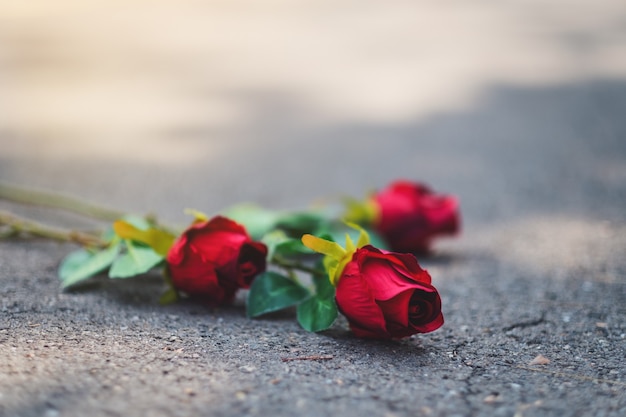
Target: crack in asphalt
x,y
528,323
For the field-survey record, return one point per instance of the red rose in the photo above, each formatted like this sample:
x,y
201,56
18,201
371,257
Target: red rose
x,y
387,295
410,215
213,259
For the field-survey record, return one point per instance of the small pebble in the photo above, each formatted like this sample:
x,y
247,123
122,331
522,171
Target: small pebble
x,y
247,369
539,360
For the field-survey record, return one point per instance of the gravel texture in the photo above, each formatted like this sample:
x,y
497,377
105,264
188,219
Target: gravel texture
x,y
540,170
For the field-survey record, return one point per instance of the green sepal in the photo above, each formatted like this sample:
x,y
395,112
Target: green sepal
x,y
137,260
271,291
197,215
82,264
325,247
317,313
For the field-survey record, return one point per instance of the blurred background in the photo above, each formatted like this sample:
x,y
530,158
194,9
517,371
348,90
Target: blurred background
x,y
161,105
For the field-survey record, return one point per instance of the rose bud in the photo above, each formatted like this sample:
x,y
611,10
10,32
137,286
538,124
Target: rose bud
x,y
387,295
409,215
212,259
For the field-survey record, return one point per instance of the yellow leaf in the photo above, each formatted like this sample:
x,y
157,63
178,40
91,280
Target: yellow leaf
x,y
349,244
364,238
341,265
336,257
199,216
326,247
364,212
160,241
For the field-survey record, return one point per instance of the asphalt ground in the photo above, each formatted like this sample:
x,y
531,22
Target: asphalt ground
x,y
539,269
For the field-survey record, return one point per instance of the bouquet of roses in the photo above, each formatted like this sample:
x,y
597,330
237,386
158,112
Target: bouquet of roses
x,y
284,259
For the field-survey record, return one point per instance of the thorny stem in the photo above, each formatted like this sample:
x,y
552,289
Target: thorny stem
x,y
47,199
291,265
18,225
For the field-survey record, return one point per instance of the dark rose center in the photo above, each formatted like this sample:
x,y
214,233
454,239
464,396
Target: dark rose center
x,y
247,269
421,307
251,261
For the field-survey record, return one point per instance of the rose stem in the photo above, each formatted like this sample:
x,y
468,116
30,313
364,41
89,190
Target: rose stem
x,y
47,199
73,204
19,225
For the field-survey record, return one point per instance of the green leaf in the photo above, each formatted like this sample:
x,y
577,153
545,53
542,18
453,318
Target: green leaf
x,y
317,314
138,222
271,292
257,220
137,260
272,240
323,288
300,223
73,262
278,243
81,264
291,248
108,235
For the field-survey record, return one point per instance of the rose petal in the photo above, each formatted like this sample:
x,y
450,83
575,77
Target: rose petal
x,y
411,215
251,261
211,244
385,283
396,311
176,253
425,311
386,276
357,303
204,261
